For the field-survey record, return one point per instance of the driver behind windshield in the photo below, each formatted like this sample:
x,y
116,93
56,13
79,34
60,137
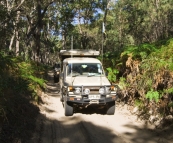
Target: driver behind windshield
x,y
84,69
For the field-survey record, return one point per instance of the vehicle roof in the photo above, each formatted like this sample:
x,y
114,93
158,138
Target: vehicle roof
x,y
81,60
80,52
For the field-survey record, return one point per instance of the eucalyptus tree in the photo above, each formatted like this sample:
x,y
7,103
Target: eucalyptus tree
x,y
24,21
76,20
36,27
139,21
116,27
10,21
160,15
149,20
3,26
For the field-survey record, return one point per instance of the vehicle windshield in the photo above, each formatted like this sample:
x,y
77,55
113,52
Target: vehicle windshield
x,y
84,69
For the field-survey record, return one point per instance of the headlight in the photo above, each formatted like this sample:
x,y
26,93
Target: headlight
x,y
105,90
77,90
86,91
101,90
108,90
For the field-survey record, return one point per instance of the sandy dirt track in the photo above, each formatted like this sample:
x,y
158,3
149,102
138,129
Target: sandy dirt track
x,y
90,126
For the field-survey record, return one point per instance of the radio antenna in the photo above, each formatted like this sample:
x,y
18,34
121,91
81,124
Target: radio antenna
x,y
71,56
103,31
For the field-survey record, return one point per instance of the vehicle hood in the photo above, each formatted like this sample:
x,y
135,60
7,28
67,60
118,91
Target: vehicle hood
x,y
87,81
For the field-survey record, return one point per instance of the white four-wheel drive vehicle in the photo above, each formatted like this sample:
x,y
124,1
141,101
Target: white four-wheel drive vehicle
x,y
83,82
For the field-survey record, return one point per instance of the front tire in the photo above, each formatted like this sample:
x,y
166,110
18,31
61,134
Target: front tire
x,y
68,109
110,108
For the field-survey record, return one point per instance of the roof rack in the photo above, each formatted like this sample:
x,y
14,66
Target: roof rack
x,y
81,53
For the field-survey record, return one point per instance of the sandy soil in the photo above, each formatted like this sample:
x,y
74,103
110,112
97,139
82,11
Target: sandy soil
x,y
89,126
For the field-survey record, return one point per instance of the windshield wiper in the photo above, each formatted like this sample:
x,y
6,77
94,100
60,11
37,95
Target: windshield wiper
x,y
94,74
77,74
89,75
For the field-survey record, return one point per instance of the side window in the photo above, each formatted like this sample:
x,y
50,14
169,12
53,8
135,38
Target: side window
x,y
68,69
64,67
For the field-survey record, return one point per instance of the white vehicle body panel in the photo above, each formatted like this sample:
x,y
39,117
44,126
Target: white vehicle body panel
x,y
87,81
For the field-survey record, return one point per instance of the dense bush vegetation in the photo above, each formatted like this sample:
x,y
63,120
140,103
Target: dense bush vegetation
x,y
20,83
147,71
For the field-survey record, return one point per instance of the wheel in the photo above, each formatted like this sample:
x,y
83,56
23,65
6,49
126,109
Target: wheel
x,y
110,108
68,109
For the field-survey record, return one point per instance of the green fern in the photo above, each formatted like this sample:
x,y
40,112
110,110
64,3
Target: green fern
x,y
139,103
37,80
170,104
170,66
170,90
153,95
141,51
122,83
112,74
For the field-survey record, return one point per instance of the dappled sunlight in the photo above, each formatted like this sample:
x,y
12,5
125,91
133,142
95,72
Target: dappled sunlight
x,y
75,129
90,125
141,134
65,140
56,127
70,120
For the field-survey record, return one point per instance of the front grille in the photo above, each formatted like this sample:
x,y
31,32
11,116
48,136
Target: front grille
x,y
94,91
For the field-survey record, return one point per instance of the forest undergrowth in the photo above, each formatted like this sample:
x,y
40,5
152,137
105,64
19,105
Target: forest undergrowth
x,y
144,74
21,85
145,77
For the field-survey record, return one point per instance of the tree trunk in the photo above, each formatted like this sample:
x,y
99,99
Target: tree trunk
x,y
11,41
17,33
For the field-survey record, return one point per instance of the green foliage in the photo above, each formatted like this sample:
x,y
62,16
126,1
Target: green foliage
x,y
19,85
148,83
122,83
141,51
19,76
32,73
34,82
139,103
110,58
169,90
6,63
112,74
171,66
170,104
153,95
149,73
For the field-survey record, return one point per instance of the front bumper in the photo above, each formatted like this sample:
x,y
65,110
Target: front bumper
x,y
85,100
97,95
